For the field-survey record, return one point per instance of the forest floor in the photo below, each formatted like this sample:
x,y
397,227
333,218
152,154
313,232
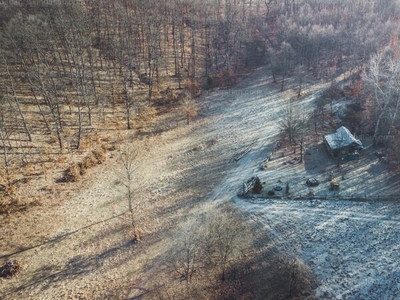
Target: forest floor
x,y
78,243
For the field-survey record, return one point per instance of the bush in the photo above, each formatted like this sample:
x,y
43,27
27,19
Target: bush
x,y
11,202
257,186
100,155
74,172
10,269
292,277
193,87
89,162
271,193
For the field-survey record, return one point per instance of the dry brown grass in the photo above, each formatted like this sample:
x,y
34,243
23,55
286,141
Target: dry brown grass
x,y
11,202
118,124
89,162
77,170
145,115
61,159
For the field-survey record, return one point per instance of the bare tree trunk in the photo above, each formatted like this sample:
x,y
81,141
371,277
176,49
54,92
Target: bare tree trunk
x,y
128,104
40,110
300,86
78,143
56,117
32,88
128,160
14,95
301,149
5,155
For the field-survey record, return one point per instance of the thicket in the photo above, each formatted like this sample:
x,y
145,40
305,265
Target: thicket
x,y
221,256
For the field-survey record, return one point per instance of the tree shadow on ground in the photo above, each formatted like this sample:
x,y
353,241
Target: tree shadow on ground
x,y
79,265
57,239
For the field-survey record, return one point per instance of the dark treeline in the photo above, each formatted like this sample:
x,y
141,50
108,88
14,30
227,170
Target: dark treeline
x,y
67,65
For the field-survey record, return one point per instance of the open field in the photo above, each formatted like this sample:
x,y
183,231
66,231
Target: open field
x,y
77,245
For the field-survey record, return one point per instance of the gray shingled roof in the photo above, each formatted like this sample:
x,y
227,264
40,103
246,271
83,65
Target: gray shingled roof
x,y
341,138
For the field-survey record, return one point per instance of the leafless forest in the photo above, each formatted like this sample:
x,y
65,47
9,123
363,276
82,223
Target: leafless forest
x,y
71,69
82,80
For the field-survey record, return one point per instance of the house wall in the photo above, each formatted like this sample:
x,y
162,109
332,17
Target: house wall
x,y
335,152
328,148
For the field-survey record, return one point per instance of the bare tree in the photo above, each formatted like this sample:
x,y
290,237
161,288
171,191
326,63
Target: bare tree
x,y
292,122
291,275
383,75
300,73
340,143
318,112
186,253
287,60
129,100
228,235
4,146
128,160
13,96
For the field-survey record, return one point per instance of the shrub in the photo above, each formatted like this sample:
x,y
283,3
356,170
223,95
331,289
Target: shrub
x,y
72,174
271,193
99,155
89,162
257,186
292,277
10,269
193,87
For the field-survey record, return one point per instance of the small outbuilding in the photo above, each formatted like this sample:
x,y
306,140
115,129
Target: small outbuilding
x,y
342,144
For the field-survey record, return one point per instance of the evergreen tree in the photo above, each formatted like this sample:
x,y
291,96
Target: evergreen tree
x,y
257,186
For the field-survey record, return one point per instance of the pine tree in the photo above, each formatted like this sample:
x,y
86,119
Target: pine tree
x,y
257,186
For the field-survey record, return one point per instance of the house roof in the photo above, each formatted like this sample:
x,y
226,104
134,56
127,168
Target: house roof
x,y
341,138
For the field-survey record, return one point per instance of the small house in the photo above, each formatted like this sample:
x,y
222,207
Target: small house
x,y
342,144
